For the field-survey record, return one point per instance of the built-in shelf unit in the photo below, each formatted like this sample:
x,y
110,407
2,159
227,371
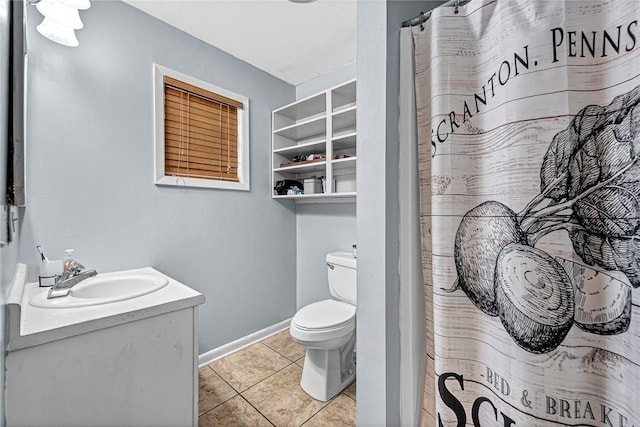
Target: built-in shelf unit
x,y
321,124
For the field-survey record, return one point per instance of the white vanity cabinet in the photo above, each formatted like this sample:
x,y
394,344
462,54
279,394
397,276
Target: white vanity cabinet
x,y
134,366
324,123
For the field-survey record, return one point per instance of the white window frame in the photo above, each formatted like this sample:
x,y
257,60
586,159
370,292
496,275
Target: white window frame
x,y
160,178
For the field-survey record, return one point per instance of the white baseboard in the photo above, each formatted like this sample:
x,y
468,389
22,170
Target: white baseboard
x,y
239,344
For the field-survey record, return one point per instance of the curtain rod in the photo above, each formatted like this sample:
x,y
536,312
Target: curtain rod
x,y
424,16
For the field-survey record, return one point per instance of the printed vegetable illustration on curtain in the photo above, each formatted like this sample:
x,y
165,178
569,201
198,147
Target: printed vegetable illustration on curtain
x,y
590,188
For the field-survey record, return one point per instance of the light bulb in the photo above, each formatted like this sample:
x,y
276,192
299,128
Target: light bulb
x,y
60,13
58,33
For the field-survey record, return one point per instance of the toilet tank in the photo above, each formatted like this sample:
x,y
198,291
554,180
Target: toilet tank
x,y
341,270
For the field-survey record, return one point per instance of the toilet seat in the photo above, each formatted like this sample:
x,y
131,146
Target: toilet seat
x,y
324,314
323,320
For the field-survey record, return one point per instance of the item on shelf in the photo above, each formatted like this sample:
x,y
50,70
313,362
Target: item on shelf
x,y
297,159
316,156
324,185
282,187
340,156
286,165
312,186
294,191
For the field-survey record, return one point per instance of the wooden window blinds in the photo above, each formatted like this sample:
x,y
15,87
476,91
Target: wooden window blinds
x,y
201,132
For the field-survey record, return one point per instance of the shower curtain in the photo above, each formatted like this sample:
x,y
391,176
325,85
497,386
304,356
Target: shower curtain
x,y
528,116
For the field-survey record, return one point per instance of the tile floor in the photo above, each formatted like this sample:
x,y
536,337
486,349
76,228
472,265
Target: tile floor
x,y
260,386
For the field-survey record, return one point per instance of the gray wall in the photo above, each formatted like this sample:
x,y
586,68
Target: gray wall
x,y
90,172
377,224
321,228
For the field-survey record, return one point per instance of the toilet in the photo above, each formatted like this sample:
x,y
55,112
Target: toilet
x,y
328,331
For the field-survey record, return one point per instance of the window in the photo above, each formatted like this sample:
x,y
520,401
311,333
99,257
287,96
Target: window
x,y
201,133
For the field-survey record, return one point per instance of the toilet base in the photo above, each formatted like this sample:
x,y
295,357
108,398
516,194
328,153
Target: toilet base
x,y
328,372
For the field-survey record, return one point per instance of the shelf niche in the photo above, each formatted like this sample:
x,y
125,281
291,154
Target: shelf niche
x,y
324,123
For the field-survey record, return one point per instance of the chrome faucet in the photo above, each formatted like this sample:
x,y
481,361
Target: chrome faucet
x,y
73,274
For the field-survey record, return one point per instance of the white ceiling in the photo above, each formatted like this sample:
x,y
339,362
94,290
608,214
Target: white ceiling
x,y
292,41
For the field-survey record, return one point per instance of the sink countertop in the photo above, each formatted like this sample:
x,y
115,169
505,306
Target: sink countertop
x,y
29,326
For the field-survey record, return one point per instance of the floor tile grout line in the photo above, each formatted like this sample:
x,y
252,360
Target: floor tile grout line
x,y
242,391
324,407
266,378
286,357
243,349
225,381
289,338
276,350
221,403
258,410
315,413
348,396
270,375
299,425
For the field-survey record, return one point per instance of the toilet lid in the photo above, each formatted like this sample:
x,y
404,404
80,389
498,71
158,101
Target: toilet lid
x,y
324,314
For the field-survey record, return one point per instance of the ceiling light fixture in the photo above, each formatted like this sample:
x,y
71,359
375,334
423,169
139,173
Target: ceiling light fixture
x,y
61,19
58,33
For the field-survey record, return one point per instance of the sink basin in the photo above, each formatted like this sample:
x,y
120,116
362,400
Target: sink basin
x,y
103,289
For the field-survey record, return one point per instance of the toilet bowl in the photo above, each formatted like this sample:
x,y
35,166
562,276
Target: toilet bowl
x,y
327,330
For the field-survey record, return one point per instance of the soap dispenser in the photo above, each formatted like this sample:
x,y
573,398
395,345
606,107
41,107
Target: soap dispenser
x,y
68,261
